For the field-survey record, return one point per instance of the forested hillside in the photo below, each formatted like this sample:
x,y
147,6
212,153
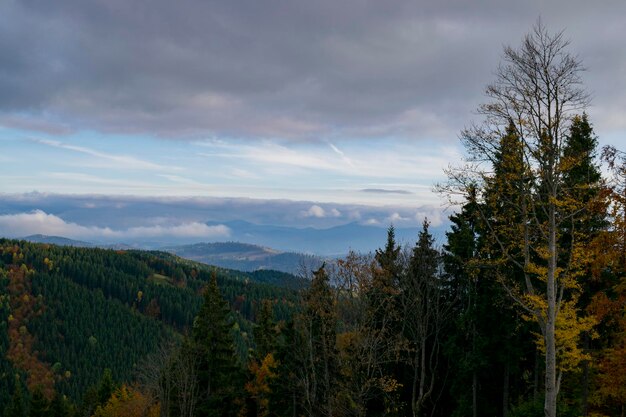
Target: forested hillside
x,y
521,313
405,331
70,313
246,257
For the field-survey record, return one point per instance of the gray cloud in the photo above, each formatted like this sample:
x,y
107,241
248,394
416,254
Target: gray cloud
x,y
126,212
282,68
384,191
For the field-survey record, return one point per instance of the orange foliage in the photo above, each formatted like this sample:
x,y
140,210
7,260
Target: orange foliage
x,y
128,402
25,307
259,386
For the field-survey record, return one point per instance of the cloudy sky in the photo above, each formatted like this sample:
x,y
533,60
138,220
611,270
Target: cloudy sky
x,y
354,103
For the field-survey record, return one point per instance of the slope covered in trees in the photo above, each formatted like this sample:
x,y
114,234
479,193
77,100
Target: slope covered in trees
x,y
246,257
70,313
520,313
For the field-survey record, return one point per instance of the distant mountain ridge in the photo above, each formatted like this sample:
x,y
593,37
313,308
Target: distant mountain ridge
x,y
58,240
333,241
231,255
246,257
329,242
64,241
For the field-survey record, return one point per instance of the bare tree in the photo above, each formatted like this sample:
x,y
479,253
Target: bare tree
x,y
155,376
185,383
537,91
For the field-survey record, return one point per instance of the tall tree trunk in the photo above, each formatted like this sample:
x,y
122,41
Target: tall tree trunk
x,y
549,334
415,380
474,394
505,390
536,378
585,377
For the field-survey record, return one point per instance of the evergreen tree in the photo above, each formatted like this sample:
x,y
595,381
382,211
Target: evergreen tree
x,y
424,313
320,371
501,338
212,344
106,387
388,258
38,404
17,405
460,254
265,330
382,295
59,406
582,188
382,330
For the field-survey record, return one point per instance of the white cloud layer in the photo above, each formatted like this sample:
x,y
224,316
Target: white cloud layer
x,y
40,222
319,212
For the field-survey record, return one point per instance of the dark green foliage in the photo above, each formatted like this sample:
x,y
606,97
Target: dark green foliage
x,y
488,344
109,309
387,258
106,387
422,332
89,402
17,405
285,398
580,150
212,345
382,296
60,407
319,334
265,334
583,183
7,372
38,404
86,333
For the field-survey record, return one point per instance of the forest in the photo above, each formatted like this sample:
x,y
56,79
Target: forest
x,y
519,313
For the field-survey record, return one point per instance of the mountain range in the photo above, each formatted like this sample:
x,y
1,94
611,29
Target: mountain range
x,y
252,247
246,257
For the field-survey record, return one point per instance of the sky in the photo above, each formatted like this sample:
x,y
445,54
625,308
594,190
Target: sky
x,y
319,106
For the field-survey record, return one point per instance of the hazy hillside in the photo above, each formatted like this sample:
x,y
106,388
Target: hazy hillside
x,y
58,240
331,241
246,257
290,242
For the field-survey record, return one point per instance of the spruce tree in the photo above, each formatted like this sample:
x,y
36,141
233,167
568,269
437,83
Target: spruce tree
x,y
265,330
319,336
424,311
212,343
582,187
387,258
38,404
106,387
59,406
17,405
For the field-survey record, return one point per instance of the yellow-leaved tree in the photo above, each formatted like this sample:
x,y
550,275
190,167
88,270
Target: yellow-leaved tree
x,y
519,174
